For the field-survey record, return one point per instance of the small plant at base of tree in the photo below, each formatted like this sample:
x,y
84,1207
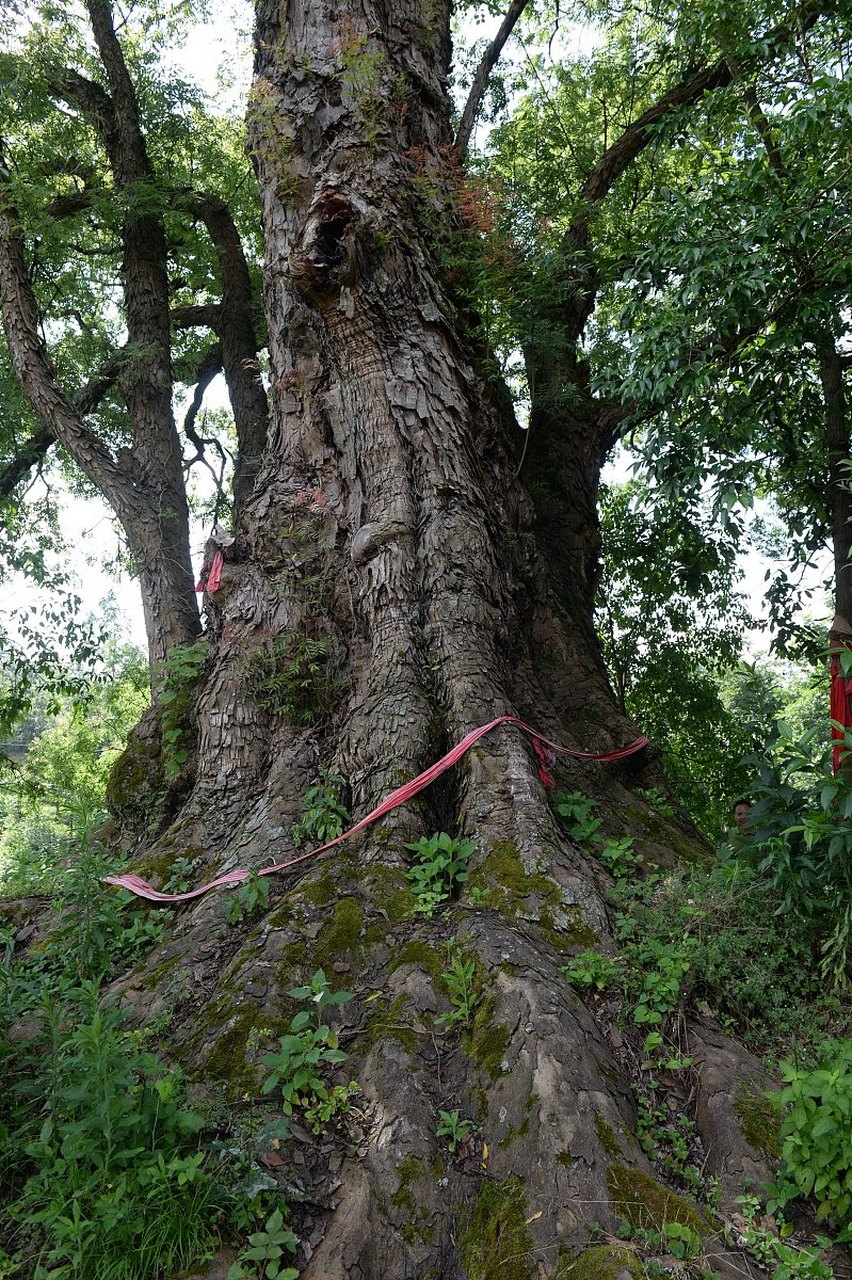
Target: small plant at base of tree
x,y
454,1128
325,816
593,969
293,1069
655,800
439,869
180,675
252,896
618,857
816,1136
575,809
767,1243
459,979
266,1250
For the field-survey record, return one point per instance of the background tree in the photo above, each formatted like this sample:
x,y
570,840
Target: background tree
x,y
107,242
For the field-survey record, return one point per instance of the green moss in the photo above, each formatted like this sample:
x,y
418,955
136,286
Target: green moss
x,y
647,1205
340,935
503,872
391,893
321,891
135,778
604,1262
408,1171
227,1060
495,1240
487,1040
759,1121
606,1136
386,1023
513,1134
155,979
566,1159
420,953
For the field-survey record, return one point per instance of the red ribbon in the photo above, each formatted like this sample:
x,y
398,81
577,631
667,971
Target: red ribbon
x,y
409,789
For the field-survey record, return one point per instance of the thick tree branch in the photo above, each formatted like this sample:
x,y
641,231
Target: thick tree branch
x,y
600,180
209,367
206,316
37,378
37,446
483,71
234,326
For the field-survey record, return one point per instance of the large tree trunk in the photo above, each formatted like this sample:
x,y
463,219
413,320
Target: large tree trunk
x,y
389,546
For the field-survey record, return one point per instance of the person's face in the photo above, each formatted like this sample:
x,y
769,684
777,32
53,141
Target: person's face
x,y
742,813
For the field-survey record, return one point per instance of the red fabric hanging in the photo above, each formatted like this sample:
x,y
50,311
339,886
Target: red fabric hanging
x,y
841,710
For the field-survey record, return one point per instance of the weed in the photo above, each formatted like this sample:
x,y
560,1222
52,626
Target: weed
x,y
575,808
439,869
767,1243
593,969
655,800
619,859
251,898
325,817
288,676
459,979
816,1135
454,1128
267,1248
179,676
294,1067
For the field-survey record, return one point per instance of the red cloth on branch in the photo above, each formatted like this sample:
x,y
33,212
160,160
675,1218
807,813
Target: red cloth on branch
x,y
841,709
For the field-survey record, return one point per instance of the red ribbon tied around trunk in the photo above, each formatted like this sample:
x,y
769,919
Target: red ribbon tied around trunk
x,y
396,798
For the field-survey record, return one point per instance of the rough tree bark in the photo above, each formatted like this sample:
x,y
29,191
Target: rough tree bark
x,y
390,558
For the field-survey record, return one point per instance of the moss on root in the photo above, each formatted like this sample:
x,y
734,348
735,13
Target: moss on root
x,y
495,1240
646,1204
604,1262
487,1040
228,1059
606,1136
760,1122
420,953
386,1024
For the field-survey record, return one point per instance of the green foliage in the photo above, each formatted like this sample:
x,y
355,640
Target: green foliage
x,y
266,1250
289,676
666,1139
180,675
57,792
459,978
619,858
94,1133
325,816
454,1128
658,969
768,1244
655,800
593,969
440,868
750,962
251,898
294,1068
816,1135
802,842
616,854
111,1192
575,808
